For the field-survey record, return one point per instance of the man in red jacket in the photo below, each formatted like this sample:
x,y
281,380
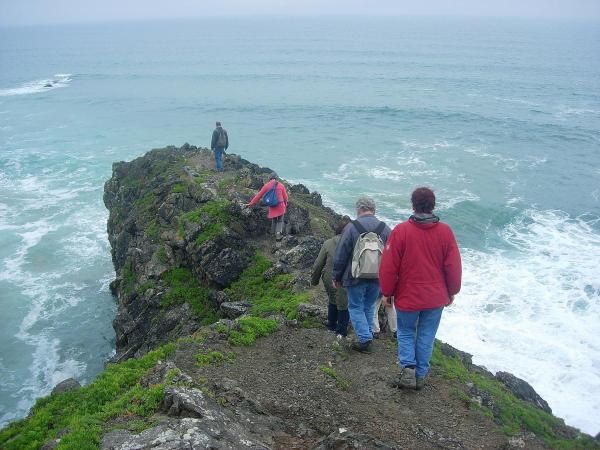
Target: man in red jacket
x,y
420,268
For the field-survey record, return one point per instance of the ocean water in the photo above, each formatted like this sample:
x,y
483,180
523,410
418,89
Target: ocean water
x,y
501,117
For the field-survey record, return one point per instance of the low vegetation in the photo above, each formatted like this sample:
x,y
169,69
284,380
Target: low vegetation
x,y
183,287
514,415
83,413
270,296
128,278
250,328
213,357
330,372
213,216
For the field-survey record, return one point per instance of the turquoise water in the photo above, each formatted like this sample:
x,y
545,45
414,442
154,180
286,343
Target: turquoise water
x,y
501,117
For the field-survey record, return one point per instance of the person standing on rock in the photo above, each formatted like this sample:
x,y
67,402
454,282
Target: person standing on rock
x,y
421,268
218,144
337,310
356,265
277,207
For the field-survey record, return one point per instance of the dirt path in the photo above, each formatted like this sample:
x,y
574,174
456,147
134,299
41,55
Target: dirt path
x,y
283,373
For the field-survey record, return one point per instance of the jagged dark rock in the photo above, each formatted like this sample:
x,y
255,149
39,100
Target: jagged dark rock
x,y
169,211
148,199
304,254
346,440
523,390
183,434
308,311
520,388
66,385
231,310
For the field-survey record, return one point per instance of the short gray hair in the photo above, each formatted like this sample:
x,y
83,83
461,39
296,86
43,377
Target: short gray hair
x,y
365,204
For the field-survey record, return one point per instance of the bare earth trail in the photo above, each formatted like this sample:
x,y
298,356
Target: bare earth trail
x,y
282,373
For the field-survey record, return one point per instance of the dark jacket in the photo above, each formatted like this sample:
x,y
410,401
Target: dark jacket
x,y
322,269
421,265
215,138
343,255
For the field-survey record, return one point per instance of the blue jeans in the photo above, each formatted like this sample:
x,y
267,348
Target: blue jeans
x,y
416,333
218,156
361,306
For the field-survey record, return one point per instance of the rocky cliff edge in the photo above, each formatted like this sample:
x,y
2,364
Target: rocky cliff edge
x,y
220,343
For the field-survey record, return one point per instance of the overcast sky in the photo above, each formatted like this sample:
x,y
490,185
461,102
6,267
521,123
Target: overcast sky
x,y
25,12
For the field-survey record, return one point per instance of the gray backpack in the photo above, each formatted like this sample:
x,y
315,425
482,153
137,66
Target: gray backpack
x,y
222,138
367,252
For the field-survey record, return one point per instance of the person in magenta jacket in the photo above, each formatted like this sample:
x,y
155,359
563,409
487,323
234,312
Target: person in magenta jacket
x,y
277,212
421,269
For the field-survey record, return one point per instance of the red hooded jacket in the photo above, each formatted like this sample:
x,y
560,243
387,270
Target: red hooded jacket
x,y
274,211
420,266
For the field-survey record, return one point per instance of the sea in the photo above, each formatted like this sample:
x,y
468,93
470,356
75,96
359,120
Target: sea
x,y
501,117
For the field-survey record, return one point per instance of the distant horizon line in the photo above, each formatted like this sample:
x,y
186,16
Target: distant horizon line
x,y
298,16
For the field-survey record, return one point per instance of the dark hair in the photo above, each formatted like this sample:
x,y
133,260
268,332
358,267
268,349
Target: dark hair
x,y
218,123
342,224
423,200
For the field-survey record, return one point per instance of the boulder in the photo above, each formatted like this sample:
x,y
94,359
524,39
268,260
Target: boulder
x,y
277,269
158,374
346,440
223,267
184,434
303,255
483,398
70,384
307,310
297,219
232,310
523,390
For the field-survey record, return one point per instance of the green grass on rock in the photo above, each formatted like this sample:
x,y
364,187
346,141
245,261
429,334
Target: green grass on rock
x,y
115,393
266,296
183,287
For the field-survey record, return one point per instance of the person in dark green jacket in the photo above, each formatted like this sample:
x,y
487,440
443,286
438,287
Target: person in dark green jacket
x,y
337,310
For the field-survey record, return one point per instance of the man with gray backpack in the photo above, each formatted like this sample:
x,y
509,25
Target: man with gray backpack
x,y
356,267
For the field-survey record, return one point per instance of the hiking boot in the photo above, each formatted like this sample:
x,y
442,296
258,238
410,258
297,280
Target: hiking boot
x,y
363,347
420,383
407,379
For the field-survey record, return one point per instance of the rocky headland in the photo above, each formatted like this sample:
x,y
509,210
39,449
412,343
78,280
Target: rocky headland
x,y
220,342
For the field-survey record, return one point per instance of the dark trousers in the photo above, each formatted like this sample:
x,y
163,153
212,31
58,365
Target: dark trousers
x,y
337,319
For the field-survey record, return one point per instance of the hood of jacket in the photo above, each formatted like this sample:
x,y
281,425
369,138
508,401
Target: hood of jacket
x,y
424,220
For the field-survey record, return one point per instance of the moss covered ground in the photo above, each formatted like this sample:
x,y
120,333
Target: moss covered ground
x,y
183,287
83,413
267,296
213,216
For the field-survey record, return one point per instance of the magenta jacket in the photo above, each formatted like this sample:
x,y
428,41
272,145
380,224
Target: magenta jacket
x,y
282,196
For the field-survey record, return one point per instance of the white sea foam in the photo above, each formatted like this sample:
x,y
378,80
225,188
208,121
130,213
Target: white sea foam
x,y
565,112
30,238
46,370
59,80
454,198
517,101
533,311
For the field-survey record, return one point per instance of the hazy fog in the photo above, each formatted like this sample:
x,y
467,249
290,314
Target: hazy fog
x,y
24,12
